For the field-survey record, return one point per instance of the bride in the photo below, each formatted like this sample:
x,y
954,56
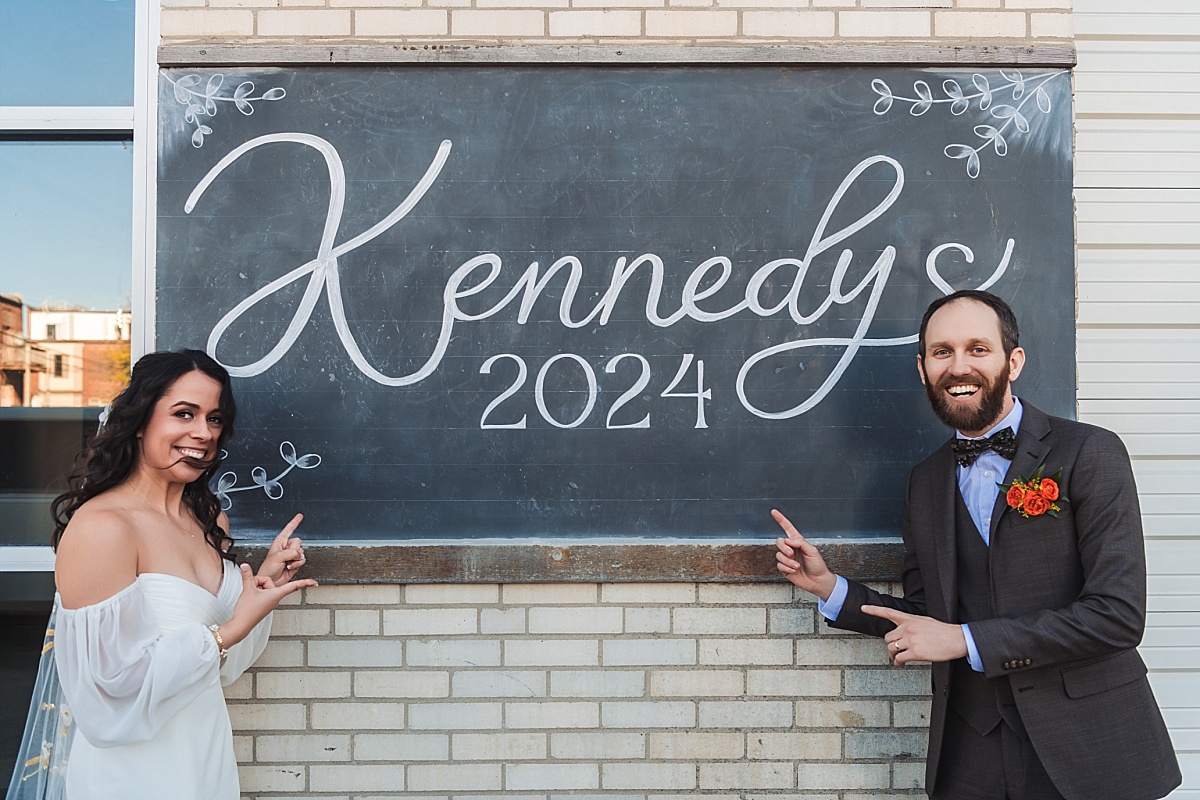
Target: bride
x,y
153,615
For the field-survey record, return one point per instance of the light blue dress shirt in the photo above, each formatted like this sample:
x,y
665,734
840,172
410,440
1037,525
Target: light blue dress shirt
x,y
980,486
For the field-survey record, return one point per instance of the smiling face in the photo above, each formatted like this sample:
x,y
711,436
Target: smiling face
x,y
964,368
181,437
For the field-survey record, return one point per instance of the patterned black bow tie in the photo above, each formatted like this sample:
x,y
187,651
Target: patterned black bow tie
x,y
968,450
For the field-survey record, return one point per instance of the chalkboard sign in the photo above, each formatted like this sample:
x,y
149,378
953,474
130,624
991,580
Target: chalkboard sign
x,y
569,301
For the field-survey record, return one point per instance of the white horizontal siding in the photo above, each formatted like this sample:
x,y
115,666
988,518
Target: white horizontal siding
x,y
1111,163
1137,192
1170,509
1173,346
1111,382
1175,586
1174,207
1184,293
1153,61
1130,65
1145,103
1139,217
1179,691
1124,285
1133,424
1145,19
1118,8
1137,266
1141,373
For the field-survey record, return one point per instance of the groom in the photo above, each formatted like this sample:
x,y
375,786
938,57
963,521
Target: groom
x,y
1029,599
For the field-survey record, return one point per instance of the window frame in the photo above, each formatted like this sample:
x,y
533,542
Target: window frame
x,y
136,122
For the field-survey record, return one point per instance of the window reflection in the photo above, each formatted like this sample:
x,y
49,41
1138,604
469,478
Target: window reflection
x,y
66,52
66,220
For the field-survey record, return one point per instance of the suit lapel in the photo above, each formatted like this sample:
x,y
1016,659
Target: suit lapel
x,y
942,501
1032,449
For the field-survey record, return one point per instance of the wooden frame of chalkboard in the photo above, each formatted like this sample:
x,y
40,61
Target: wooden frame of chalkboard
x,y
521,322
931,54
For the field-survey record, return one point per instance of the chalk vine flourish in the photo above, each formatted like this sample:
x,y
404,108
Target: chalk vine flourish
x,y
272,488
203,102
1005,114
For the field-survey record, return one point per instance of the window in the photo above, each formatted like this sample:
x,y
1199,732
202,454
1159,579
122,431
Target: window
x,y
78,83
67,52
77,86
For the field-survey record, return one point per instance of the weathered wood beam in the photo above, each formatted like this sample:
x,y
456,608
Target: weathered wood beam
x,y
580,562
958,54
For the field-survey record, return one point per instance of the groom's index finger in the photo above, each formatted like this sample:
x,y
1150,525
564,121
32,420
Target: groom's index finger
x,y
786,524
794,539
885,612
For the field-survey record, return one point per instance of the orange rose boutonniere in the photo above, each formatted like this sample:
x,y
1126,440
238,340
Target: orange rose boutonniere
x,y
1036,496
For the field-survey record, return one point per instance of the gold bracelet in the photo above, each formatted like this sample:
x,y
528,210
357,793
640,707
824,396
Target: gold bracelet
x,y
222,650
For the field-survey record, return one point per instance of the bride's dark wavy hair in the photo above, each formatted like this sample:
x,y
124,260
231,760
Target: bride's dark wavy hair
x,y
112,454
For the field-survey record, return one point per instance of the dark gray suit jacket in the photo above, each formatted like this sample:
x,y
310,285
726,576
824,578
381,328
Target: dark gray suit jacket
x,y
1070,603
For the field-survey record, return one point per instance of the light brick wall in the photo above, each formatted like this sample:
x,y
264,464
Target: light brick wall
x,y
539,691
615,21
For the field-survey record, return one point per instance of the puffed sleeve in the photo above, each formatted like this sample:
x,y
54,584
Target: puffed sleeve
x,y
123,679
246,652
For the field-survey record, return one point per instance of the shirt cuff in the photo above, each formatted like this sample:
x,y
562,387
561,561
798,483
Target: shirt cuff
x,y
972,651
832,606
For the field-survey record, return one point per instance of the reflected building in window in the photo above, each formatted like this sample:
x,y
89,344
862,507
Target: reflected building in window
x,y
61,358
22,364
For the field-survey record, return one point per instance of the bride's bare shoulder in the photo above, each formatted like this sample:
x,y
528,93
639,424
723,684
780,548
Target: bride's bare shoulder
x,y
98,552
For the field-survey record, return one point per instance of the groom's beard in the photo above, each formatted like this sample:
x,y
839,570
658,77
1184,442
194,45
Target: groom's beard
x,y
990,401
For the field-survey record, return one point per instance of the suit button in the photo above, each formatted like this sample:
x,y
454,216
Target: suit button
x,y
1028,661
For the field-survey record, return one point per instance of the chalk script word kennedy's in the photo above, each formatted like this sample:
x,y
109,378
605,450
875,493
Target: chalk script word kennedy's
x,y
476,274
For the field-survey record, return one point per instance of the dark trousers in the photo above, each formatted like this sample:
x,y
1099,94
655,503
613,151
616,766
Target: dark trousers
x,y
999,766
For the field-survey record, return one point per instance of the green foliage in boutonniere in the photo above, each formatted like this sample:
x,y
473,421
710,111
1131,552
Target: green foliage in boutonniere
x,y
1036,496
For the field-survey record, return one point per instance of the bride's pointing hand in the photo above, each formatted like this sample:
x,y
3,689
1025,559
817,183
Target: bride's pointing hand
x,y
285,556
259,597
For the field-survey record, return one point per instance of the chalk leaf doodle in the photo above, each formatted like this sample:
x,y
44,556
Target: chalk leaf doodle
x,y
271,487
985,96
202,102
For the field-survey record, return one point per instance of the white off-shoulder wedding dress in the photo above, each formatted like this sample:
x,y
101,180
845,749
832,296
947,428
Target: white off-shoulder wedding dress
x,y
143,678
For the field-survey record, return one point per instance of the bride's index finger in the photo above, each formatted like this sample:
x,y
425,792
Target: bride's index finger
x,y
281,541
292,586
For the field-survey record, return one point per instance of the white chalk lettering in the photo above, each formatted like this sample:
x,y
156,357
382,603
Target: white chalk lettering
x,y
473,278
